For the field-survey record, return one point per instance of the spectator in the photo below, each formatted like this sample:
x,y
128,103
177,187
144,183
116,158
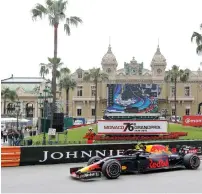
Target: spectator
x,y
10,137
16,136
20,138
5,133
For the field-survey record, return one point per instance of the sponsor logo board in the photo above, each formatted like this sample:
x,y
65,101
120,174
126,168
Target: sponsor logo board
x,y
192,120
121,127
46,156
81,153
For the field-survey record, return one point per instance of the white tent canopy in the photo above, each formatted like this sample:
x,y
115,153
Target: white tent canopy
x,y
14,120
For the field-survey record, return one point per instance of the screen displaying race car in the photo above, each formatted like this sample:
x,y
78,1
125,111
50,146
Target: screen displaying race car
x,y
142,159
140,98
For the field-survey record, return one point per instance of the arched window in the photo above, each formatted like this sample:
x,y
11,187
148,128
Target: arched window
x,y
10,108
29,110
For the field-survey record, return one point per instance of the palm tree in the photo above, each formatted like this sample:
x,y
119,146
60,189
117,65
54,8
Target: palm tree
x,y
6,93
95,75
44,70
67,83
45,67
173,75
55,11
63,72
198,39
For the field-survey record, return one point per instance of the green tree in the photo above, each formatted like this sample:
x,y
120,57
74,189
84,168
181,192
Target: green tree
x,y
8,94
197,37
174,75
67,83
55,11
47,67
95,75
44,70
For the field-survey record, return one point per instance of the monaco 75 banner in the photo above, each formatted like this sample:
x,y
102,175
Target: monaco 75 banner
x,y
192,120
135,127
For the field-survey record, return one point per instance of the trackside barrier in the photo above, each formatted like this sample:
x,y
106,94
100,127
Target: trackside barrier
x,y
10,156
56,154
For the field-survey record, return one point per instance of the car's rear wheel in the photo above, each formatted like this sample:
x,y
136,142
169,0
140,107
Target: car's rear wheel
x,y
111,169
191,161
93,160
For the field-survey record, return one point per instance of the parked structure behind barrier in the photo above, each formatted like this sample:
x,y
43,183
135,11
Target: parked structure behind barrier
x,y
10,156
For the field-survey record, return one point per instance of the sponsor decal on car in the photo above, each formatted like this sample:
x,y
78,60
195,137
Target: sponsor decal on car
x,y
157,149
158,164
90,174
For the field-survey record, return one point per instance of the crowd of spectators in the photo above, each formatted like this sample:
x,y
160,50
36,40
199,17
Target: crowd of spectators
x,y
12,136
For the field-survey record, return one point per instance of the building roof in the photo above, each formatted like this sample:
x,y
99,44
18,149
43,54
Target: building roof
x,y
25,80
122,72
109,58
158,57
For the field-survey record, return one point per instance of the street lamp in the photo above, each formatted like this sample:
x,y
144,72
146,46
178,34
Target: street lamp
x,y
17,111
44,99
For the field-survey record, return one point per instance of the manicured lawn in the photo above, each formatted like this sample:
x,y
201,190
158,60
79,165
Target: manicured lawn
x,y
73,136
76,135
193,132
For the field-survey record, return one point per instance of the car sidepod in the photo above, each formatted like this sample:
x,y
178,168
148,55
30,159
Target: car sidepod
x,y
158,161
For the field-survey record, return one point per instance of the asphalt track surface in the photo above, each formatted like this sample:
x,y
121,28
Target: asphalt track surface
x,y
55,178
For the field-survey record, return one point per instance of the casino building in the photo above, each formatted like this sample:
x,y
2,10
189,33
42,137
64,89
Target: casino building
x,y
133,86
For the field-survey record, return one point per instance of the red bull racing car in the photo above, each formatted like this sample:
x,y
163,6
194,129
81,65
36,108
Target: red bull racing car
x,y
151,157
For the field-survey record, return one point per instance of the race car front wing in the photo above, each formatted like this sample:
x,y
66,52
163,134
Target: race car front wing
x,y
86,175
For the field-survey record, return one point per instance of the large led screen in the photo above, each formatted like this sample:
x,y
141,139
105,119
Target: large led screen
x,y
142,97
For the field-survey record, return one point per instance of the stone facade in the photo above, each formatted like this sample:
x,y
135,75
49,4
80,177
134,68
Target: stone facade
x,y
27,89
81,100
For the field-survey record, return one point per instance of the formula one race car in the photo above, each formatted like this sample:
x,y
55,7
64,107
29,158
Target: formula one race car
x,y
152,157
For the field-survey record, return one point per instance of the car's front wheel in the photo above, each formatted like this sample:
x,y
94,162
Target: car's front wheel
x,y
111,169
191,161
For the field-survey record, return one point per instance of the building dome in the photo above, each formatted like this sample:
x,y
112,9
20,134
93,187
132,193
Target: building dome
x,y
109,58
158,57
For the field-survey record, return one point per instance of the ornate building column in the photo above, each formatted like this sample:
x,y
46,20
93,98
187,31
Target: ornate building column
x,y
35,110
2,107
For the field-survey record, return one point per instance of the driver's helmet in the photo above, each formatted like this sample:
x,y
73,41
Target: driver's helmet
x,y
140,147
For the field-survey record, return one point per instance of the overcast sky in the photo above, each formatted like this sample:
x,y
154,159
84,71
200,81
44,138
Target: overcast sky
x,y
134,27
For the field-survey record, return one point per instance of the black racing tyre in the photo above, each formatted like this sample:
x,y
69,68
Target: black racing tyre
x,y
111,169
93,160
191,161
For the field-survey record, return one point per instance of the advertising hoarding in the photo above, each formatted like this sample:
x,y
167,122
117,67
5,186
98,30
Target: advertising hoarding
x,y
192,120
132,127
